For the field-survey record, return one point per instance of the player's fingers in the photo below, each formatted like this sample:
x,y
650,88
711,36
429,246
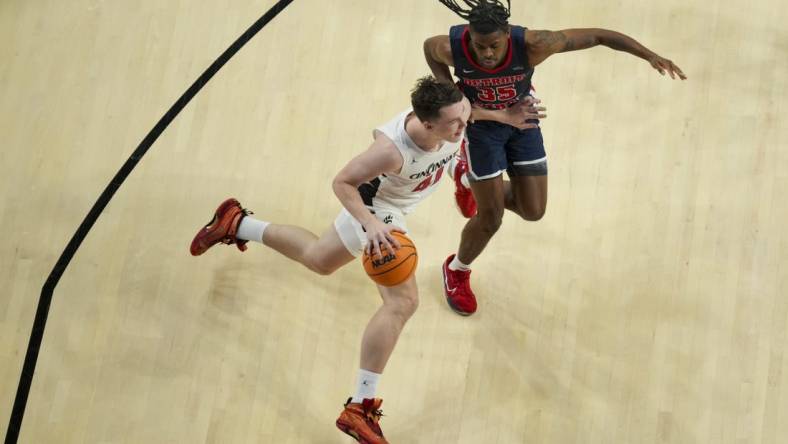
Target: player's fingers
x,y
529,100
656,65
668,65
679,72
534,116
394,242
376,248
387,246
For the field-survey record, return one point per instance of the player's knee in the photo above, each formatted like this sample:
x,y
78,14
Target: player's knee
x,y
324,270
318,263
533,212
404,305
490,219
321,269
408,306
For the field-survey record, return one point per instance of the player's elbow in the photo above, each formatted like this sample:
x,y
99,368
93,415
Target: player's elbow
x,y
427,47
433,48
338,184
342,185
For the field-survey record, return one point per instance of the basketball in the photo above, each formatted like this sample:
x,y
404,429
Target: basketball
x,y
393,269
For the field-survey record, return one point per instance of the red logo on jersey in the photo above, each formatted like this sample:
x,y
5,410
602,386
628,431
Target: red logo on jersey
x,y
424,184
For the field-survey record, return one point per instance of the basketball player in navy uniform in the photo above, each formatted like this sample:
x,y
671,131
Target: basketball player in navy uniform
x,y
377,189
494,62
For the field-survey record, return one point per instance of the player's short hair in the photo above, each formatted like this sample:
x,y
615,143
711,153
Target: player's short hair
x,y
484,16
429,96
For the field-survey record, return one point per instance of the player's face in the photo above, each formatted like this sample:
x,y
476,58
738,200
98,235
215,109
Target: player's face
x,y
453,120
489,49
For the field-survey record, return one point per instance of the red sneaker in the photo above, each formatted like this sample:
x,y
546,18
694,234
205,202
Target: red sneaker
x,y
457,287
361,421
463,195
221,228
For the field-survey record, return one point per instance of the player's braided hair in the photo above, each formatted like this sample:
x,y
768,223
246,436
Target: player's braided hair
x,y
484,16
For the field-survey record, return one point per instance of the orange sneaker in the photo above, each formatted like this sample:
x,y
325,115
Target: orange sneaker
x,y
222,228
361,421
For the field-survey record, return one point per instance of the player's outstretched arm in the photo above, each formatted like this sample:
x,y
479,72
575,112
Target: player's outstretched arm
x,y
437,51
543,44
380,158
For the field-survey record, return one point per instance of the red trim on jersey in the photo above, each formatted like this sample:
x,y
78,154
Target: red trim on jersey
x,y
479,67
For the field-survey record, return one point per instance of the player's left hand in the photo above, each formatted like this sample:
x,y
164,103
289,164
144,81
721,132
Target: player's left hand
x,y
663,65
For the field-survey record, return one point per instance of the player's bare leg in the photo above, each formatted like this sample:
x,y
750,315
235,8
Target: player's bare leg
x,y
362,413
383,330
491,201
233,225
490,195
323,255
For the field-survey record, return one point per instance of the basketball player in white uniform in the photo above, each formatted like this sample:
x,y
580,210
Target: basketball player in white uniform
x,y
377,189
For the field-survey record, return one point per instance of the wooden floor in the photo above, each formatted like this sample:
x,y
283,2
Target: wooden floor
x,y
648,306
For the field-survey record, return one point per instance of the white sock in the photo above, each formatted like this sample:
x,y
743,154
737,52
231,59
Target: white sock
x,y
455,265
367,385
251,229
452,166
464,180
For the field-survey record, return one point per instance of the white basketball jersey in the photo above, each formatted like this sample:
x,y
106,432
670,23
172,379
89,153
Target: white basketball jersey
x,y
421,170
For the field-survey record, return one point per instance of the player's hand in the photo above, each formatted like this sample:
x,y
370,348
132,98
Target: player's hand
x,y
526,109
379,238
664,65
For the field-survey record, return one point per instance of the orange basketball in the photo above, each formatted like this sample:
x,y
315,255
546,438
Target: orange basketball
x,y
393,269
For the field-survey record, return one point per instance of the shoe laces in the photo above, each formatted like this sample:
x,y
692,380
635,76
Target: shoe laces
x,y
368,409
375,414
371,412
373,419
461,278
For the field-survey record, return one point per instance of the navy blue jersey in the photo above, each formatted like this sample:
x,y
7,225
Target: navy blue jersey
x,y
492,88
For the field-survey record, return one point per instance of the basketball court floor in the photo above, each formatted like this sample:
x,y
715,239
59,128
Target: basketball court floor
x,y
649,305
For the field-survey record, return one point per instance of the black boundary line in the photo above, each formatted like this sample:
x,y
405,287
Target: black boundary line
x,y
37,334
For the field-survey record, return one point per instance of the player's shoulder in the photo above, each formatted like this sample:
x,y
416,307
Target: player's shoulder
x,y
385,150
383,138
385,142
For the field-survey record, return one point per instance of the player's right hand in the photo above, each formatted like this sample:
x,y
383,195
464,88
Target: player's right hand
x,y
518,114
664,65
379,237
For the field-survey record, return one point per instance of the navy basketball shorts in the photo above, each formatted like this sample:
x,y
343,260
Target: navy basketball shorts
x,y
495,147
